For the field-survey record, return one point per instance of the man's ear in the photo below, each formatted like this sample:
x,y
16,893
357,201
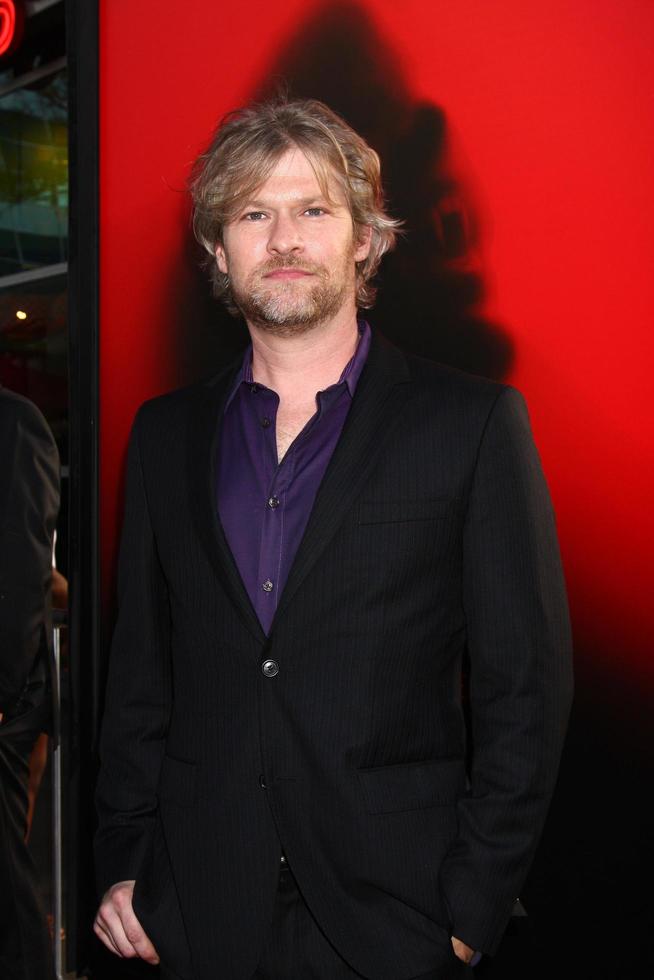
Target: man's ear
x,y
362,243
221,258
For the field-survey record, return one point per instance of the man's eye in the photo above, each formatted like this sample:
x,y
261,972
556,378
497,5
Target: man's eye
x,y
314,212
254,216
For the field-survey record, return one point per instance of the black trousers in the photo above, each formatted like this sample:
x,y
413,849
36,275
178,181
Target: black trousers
x,y
25,947
296,949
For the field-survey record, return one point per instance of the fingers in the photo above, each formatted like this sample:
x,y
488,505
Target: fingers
x,y
118,928
461,950
137,938
105,936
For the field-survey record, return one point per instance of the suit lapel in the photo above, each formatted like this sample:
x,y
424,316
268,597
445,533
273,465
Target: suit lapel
x,y
204,433
381,392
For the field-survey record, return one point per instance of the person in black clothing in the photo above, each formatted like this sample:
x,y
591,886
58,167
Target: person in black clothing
x,y
29,503
313,541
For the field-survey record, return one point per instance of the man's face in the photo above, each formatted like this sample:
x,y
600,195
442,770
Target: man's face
x,y
290,253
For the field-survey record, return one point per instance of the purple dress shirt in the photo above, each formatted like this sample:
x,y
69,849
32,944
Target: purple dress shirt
x,y
264,505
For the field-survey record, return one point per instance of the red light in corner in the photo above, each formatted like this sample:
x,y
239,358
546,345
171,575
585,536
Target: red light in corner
x,y
11,25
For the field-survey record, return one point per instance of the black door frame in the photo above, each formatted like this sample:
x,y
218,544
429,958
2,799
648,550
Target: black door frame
x,y
81,721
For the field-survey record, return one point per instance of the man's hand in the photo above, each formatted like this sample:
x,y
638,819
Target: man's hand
x,y
117,926
464,952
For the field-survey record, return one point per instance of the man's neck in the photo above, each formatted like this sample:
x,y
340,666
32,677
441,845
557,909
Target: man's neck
x,y
297,367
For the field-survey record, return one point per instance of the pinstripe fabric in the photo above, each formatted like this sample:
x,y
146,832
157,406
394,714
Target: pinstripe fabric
x,y
296,948
431,534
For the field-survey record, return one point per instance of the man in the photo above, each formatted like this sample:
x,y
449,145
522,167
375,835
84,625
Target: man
x,y
312,541
29,503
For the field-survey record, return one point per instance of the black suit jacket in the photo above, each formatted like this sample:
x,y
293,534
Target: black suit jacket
x,y
432,536
29,502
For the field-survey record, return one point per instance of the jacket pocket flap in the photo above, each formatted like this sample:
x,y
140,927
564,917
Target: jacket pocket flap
x,y
177,782
399,511
388,789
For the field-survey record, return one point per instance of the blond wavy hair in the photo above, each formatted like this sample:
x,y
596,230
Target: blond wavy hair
x,y
242,154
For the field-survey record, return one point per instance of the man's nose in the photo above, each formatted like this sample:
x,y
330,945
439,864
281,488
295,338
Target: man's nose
x,y
284,236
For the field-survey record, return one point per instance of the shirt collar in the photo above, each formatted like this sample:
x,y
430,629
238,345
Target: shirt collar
x,y
350,374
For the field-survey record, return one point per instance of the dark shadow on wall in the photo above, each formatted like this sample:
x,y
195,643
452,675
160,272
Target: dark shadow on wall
x,y
431,286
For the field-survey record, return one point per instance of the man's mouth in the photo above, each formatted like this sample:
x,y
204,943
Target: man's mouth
x,y
287,273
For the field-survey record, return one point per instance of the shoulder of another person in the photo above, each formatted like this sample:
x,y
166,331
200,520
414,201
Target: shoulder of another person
x,y
18,406
17,410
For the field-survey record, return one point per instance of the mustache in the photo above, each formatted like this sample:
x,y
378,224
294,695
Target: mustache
x,y
292,262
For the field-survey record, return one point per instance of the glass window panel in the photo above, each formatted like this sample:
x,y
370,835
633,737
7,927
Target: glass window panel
x,y
34,175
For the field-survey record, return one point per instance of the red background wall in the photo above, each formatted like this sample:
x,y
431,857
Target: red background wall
x,y
550,134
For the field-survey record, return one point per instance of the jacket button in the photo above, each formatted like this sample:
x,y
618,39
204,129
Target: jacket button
x,y
270,668
262,782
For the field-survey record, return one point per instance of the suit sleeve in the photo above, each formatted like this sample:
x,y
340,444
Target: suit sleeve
x,y
520,676
138,694
29,502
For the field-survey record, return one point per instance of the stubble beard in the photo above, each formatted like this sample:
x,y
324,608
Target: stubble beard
x,y
293,307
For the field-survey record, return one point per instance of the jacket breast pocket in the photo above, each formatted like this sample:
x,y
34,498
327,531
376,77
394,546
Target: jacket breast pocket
x,y
413,785
177,782
406,511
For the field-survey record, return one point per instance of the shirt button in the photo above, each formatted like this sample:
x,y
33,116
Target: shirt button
x,y
267,586
265,421
270,668
262,782
273,502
